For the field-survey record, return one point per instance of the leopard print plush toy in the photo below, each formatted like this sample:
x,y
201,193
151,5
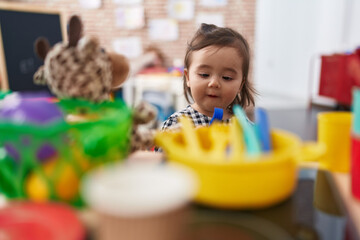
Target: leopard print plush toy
x,y
142,132
79,68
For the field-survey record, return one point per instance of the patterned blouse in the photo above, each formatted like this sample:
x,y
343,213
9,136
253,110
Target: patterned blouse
x,y
198,118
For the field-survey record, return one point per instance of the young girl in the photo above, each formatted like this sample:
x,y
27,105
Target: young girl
x,y
216,68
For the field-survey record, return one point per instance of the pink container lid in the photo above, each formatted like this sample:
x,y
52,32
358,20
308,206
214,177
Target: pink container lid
x,y
40,221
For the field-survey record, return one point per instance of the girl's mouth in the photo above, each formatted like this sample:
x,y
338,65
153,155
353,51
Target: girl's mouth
x,y
212,96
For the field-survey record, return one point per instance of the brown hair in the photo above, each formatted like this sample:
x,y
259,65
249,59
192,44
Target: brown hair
x,y
208,35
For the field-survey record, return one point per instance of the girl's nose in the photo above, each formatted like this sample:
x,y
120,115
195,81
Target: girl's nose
x,y
214,82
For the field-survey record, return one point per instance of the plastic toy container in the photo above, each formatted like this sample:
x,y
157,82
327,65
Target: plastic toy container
x,y
45,160
355,166
334,130
41,221
235,180
140,200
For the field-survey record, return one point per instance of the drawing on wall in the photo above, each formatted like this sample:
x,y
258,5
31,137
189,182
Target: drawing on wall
x,y
210,18
90,4
181,9
130,17
163,29
131,47
128,2
213,3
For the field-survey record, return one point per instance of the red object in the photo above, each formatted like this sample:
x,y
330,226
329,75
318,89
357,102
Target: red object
x,y
153,70
355,167
40,221
336,81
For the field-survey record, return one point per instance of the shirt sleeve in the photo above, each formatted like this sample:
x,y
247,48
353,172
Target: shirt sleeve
x,y
170,123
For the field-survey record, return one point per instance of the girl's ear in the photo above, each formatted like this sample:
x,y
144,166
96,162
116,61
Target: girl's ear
x,y
186,74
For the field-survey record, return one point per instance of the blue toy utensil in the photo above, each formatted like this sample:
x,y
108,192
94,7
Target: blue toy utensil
x,y
263,128
218,115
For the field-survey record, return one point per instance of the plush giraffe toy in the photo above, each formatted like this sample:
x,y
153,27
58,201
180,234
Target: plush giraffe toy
x,y
80,68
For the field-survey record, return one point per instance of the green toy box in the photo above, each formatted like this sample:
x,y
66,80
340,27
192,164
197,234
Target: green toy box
x,y
45,161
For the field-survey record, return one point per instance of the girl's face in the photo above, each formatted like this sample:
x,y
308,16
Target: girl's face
x,y
215,78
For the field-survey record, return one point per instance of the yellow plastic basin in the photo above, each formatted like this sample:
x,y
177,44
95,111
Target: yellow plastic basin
x,y
245,182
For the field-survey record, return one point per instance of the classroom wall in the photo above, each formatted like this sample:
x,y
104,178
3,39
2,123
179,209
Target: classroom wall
x,y
290,38
238,14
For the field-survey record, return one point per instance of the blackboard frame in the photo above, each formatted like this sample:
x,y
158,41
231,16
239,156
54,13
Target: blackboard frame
x,y
23,8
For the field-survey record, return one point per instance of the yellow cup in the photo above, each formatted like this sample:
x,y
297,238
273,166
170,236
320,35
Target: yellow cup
x,y
334,131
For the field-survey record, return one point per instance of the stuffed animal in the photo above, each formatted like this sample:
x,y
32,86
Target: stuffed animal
x,y
80,68
142,133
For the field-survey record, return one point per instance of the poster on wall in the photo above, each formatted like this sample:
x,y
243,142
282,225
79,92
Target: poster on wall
x,y
127,2
213,3
181,9
210,18
130,17
90,4
163,29
130,47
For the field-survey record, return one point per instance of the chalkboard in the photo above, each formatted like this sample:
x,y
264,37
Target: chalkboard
x,y
19,30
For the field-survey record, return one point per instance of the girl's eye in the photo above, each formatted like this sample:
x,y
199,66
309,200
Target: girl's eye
x,y
204,75
227,78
